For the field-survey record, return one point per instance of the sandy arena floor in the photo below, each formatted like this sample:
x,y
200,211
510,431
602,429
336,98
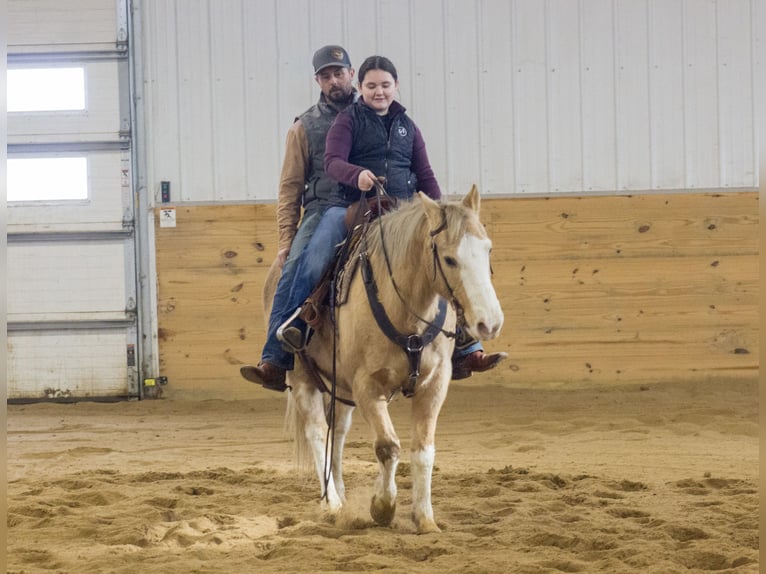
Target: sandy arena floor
x,y
653,479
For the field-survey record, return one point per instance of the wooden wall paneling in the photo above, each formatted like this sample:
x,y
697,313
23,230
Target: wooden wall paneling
x,y
211,269
596,290
642,286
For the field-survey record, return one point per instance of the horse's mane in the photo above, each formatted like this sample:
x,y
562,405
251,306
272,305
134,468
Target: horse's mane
x,y
408,222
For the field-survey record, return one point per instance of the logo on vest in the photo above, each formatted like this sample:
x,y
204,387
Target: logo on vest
x,y
402,131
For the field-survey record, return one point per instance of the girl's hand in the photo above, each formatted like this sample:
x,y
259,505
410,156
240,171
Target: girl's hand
x,y
366,180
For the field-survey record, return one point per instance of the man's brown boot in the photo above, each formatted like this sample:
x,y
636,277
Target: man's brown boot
x,y
478,361
267,375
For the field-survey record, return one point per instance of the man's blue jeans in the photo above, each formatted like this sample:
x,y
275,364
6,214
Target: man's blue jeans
x,y
312,251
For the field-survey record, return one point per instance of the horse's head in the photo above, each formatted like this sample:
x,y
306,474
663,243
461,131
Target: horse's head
x,y
461,249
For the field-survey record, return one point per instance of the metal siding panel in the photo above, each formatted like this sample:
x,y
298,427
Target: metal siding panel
x,y
462,97
666,93
700,79
262,123
529,89
360,35
195,102
67,23
297,88
394,33
228,94
49,280
161,96
633,118
428,89
621,126
326,20
735,86
599,140
67,364
496,105
564,96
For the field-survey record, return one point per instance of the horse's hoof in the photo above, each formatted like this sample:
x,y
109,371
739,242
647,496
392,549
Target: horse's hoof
x,y
381,512
331,509
427,526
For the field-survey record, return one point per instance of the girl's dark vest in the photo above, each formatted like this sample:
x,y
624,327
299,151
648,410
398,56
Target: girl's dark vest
x,y
384,153
321,191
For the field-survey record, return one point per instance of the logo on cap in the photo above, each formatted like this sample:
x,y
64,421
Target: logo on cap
x,y
337,54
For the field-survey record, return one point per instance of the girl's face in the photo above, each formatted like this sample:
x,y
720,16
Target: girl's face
x,y
378,90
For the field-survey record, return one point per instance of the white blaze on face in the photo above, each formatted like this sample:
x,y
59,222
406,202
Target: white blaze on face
x,y
484,317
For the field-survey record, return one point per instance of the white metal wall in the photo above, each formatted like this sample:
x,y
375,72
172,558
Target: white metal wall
x,y
519,96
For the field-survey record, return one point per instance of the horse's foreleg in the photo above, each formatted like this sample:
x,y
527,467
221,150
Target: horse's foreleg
x,y
422,464
425,411
387,449
383,505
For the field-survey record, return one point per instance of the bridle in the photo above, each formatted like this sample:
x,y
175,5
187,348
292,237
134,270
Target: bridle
x,y
381,192
438,265
412,344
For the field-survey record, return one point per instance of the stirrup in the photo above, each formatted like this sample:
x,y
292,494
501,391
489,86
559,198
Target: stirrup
x,y
290,335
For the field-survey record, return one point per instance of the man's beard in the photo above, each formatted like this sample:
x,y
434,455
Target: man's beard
x,y
339,96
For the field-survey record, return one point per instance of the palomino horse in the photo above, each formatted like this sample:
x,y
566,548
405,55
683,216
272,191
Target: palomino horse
x,y
420,254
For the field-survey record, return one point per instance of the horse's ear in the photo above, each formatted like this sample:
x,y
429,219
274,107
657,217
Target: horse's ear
x,y
472,200
433,210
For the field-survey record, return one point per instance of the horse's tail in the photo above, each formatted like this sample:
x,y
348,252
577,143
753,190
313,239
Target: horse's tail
x,y
293,426
295,429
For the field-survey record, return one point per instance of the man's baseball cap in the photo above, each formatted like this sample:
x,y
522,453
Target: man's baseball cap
x,y
330,56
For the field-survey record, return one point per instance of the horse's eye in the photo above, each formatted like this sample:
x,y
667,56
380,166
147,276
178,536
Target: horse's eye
x,y
450,261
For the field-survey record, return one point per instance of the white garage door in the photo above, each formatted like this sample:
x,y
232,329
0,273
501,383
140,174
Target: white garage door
x,y
72,310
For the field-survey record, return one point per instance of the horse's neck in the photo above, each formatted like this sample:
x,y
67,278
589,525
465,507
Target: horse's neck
x,y
410,273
